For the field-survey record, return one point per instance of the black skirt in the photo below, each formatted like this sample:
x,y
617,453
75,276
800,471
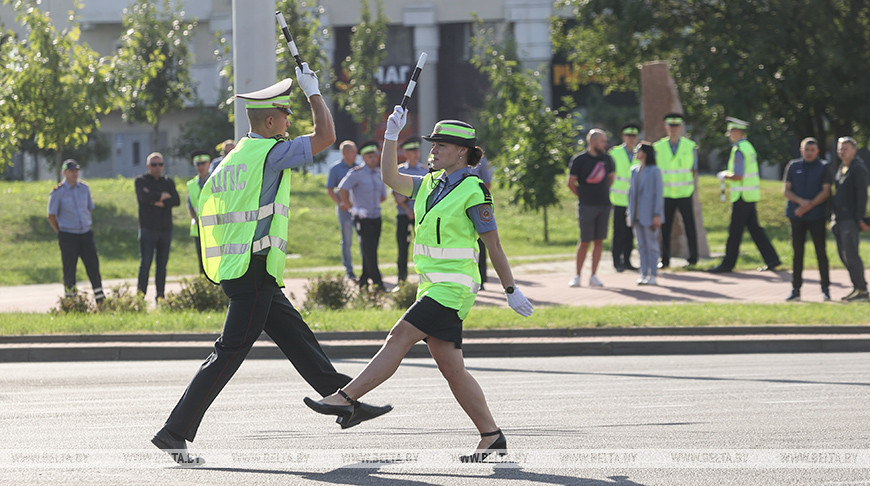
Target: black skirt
x,y
435,320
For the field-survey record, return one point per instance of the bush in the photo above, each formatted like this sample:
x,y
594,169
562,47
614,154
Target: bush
x,y
79,303
198,294
327,292
369,298
121,299
404,295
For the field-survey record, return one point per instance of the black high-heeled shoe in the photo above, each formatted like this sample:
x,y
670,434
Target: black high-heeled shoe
x,y
499,447
348,415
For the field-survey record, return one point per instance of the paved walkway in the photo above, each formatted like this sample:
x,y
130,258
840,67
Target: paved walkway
x,y
546,284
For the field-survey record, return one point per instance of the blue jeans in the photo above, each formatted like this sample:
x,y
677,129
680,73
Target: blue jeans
x,y
648,247
151,241
346,226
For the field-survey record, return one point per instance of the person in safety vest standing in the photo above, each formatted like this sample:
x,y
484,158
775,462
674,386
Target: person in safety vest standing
x,y
677,158
623,162
405,205
744,184
243,227
201,161
452,208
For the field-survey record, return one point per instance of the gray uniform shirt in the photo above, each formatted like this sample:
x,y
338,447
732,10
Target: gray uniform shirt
x,y
72,205
366,189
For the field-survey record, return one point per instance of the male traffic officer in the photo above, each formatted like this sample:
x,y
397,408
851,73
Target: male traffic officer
x,y
201,162
69,214
362,191
623,160
745,186
405,205
243,228
677,157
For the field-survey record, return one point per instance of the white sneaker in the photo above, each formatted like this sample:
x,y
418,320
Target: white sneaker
x,y
594,282
642,281
575,282
651,281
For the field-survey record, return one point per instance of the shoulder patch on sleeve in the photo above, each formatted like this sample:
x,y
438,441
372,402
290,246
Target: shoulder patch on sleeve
x,y
58,186
486,195
484,212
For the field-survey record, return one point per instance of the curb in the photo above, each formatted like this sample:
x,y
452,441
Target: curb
x,y
476,343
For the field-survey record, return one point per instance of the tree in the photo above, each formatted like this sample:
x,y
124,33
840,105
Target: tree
x,y
358,93
52,88
535,140
152,69
794,69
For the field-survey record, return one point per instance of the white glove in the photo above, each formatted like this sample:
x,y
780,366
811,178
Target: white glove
x,y
307,80
721,174
395,123
520,303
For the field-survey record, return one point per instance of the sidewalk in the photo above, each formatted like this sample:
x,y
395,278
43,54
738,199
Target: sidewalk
x,y
544,284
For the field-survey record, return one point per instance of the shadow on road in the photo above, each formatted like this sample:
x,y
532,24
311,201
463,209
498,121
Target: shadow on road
x,y
364,476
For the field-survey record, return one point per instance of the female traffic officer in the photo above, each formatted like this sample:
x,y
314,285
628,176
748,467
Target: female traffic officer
x,y
453,208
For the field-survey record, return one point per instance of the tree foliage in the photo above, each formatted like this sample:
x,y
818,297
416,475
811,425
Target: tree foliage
x,y
793,68
53,88
359,94
152,65
526,139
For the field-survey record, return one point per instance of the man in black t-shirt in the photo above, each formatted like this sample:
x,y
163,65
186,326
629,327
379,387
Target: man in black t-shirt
x,y
590,175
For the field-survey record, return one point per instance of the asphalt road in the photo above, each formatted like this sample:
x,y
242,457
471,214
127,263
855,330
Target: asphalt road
x,y
616,420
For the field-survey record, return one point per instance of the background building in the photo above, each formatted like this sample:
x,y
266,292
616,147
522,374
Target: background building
x,y
450,87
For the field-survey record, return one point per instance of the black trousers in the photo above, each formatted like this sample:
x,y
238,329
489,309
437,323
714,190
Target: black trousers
x,y
72,247
848,237
744,215
799,229
404,228
684,205
257,304
623,239
153,242
369,230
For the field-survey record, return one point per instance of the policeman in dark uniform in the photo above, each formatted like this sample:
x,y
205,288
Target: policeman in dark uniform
x,y
243,228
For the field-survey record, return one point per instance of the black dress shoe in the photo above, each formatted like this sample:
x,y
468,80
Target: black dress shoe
x,y
176,447
348,415
719,269
630,267
498,447
619,268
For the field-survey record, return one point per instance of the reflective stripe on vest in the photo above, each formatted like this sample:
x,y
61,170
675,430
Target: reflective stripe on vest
x,y
748,188
446,253
458,278
244,216
677,176
622,175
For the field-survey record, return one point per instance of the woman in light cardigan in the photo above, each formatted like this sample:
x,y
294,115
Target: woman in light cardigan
x,y
645,213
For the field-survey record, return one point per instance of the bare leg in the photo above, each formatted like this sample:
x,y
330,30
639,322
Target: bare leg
x,y
582,248
465,388
382,366
597,249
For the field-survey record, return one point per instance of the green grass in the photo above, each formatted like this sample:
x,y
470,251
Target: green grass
x,y
660,315
31,254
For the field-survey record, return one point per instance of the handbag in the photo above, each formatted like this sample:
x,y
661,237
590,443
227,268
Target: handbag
x,y
596,175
